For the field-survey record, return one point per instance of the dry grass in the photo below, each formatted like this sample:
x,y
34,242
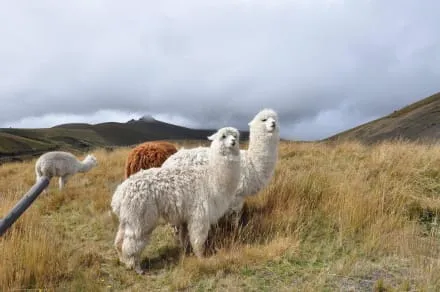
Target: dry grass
x,y
335,217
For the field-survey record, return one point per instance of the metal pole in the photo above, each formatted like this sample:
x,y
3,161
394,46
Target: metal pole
x,y
23,204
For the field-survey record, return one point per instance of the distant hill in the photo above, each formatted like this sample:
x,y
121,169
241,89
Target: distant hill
x,y
417,121
21,143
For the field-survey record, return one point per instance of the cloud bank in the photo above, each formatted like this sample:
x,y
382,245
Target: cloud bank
x,y
323,65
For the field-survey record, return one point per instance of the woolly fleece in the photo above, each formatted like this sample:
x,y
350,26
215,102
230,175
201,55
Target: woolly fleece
x,y
257,162
148,155
195,196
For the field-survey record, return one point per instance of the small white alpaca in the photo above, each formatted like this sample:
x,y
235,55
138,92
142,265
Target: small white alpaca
x,y
257,162
195,196
63,165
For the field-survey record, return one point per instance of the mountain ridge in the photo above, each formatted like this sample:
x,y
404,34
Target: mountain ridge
x,y
418,121
20,143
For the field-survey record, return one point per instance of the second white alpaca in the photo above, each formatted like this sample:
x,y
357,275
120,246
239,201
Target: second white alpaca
x,y
195,196
257,162
63,165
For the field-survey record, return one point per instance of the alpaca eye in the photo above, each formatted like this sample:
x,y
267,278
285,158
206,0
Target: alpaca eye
x,y
263,120
223,136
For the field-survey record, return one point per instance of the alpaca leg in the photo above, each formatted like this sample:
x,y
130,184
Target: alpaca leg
x,y
234,220
238,216
136,236
62,181
176,230
182,233
177,233
119,240
133,244
198,233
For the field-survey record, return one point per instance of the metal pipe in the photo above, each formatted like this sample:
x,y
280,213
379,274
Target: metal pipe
x,y
23,204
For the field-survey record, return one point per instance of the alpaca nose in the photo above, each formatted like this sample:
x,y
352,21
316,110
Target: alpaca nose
x,y
273,124
233,142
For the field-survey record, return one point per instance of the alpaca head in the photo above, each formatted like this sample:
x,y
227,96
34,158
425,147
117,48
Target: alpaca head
x,y
265,122
226,141
90,160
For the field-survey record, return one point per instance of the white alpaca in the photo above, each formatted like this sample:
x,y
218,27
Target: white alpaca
x,y
257,162
63,165
195,196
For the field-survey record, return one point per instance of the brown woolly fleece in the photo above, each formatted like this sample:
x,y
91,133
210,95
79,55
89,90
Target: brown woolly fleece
x,y
148,155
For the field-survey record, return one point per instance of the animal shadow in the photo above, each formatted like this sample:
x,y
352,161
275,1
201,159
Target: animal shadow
x,y
167,256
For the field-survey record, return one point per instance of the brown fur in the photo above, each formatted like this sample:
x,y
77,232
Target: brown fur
x,y
148,155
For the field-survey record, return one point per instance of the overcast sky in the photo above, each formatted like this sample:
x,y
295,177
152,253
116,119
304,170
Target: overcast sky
x,y
324,65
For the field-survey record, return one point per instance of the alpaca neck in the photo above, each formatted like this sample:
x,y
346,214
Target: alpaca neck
x,y
227,170
263,152
85,166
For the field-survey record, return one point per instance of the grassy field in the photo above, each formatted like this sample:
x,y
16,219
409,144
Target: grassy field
x,y
340,217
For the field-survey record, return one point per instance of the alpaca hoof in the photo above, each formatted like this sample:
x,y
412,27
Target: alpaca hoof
x,y
139,271
200,255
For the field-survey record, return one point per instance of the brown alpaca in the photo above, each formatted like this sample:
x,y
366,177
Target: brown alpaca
x,y
148,155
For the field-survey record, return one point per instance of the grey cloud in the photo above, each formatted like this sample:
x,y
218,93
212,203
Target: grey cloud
x,y
218,62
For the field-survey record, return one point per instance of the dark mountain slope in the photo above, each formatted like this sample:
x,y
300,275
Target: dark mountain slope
x,y
82,136
417,121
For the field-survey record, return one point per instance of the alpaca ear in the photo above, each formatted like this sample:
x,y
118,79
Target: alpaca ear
x,y
212,137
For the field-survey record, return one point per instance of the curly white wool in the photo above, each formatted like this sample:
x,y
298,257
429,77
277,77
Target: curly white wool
x,y
196,196
257,162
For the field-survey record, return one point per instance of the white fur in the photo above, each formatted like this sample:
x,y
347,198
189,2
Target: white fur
x,y
257,163
196,196
63,165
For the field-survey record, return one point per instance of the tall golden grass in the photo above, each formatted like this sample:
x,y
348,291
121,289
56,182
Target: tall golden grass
x,y
340,216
